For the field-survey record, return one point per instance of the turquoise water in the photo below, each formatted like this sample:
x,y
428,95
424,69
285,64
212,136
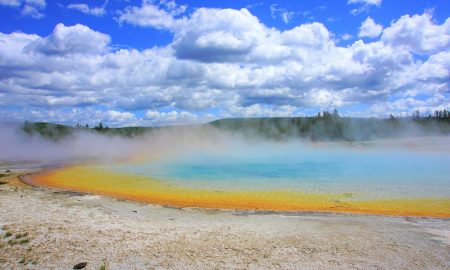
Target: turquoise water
x,y
362,172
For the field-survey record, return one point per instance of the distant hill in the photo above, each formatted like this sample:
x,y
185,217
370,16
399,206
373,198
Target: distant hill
x,y
324,126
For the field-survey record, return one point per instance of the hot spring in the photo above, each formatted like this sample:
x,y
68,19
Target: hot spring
x,y
276,177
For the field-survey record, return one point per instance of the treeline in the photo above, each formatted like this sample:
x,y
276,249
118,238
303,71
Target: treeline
x,y
438,114
331,126
57,131
323,126
47,130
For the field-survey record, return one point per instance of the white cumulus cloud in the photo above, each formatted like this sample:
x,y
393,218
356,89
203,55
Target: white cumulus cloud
x,y
150,14
220,63
370,29
418,33
77,39
171,117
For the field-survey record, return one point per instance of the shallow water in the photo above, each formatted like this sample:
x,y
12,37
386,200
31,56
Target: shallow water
x,y
371,173
276,177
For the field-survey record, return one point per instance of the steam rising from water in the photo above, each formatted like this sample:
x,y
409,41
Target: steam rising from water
x,y
206,167
83,146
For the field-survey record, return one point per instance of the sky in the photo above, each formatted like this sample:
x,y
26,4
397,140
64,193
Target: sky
x,y
150,63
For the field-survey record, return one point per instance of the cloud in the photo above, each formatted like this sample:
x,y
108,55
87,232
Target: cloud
x,y
370,29
73,116
152,15
30,8
84,8
283,13
77,39
365,5
120,117
12,3
365,2
260,110
170,118
405,106
346,36
418,34
220,63
173,8
217,35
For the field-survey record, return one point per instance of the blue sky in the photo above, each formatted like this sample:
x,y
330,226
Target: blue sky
x,y
166,62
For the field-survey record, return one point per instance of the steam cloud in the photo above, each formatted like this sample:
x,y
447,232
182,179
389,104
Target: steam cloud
x,y
85,146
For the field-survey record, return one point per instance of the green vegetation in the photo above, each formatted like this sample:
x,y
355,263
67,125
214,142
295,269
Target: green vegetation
x,y
21,235
18,238
24,241
126,131
26,260
323,126
331,126
47,130
12,242
57,132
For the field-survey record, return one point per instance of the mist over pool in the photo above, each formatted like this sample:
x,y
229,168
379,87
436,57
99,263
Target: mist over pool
x,y
394,176
367,172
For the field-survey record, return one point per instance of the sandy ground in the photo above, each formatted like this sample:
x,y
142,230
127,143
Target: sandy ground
x,y
56,230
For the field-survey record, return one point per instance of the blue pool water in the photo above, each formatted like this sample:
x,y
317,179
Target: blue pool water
x,y
363,172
